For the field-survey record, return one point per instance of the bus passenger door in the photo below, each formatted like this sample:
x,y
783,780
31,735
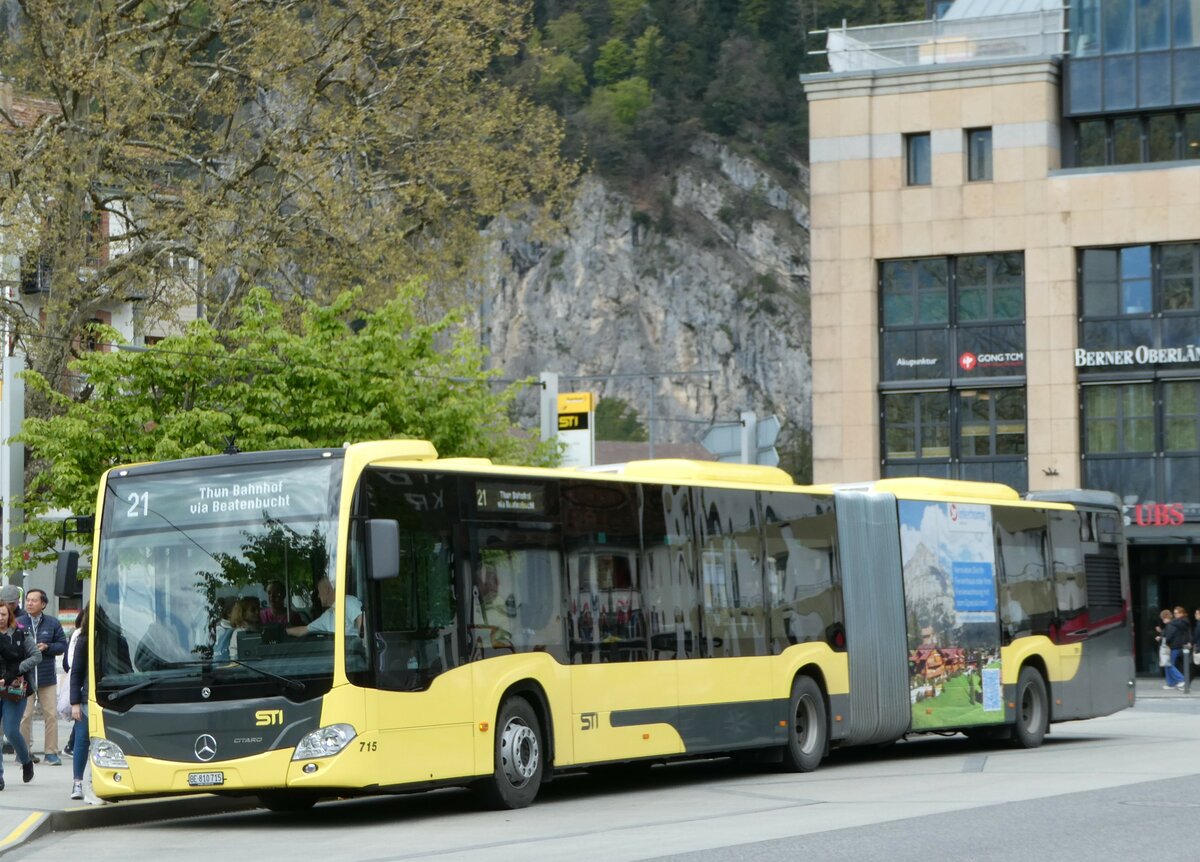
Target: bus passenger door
x,y
623,700
418,695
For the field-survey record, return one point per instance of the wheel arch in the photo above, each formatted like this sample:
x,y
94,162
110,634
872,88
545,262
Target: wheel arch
x,y
534,694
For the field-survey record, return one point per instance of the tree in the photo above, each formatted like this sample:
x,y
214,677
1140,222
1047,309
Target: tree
x,y
299,146
648,53
283,375
568,35
616,420
614,62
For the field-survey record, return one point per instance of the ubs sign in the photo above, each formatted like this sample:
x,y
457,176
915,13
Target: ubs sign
x,y
1158,514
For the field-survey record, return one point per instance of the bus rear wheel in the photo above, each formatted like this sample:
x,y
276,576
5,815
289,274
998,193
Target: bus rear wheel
x,y
808,727
519,757
1033,709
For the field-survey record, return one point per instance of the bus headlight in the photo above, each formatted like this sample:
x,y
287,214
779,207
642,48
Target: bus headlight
x,y
324,742
107,754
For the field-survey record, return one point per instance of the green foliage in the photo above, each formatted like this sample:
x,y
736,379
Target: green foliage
x,y
283,375
620,104
614,63
301,147
568,35
616,420
560,80
729,66
625,13
648,53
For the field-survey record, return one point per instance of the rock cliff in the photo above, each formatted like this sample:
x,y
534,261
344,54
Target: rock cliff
x,y
707,287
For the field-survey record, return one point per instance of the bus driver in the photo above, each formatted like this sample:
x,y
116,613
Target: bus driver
x,y
324,623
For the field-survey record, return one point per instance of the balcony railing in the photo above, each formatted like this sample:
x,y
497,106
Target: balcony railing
x,y
960,40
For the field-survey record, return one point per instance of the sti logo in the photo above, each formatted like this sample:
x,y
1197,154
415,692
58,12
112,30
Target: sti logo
x,y
968,361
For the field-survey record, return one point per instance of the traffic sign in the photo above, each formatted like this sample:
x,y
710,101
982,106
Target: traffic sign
x,y
768,431
724,441
731,441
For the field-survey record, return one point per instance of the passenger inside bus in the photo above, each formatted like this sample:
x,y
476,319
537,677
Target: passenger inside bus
x,y
324,624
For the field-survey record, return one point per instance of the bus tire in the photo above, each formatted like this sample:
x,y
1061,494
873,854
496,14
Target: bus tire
x,y
1033,709
519,757
808,727
287,803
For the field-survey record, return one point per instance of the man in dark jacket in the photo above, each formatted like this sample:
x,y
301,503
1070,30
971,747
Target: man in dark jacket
x,y
1177,635
52,641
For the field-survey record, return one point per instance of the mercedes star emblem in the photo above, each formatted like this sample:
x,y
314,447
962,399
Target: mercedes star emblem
x,y
206,692
206,747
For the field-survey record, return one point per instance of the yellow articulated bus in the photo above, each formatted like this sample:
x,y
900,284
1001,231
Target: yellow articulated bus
x,y
373,619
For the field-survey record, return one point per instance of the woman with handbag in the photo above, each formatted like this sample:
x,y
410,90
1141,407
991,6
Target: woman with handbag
x,y
18,656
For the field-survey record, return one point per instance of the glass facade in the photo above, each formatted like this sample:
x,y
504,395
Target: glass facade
x,y
1139,363
1133,54
1135,139
1140,308
953,365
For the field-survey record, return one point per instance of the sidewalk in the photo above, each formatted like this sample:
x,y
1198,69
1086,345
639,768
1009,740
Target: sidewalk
x,y
29,811
1152,688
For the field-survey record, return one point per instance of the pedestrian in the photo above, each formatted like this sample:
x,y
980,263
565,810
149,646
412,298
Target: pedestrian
x,y
1176,635
10,595
65,682
51,641
79,698
19,655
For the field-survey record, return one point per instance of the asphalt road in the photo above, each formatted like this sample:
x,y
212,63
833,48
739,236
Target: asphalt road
x,y
1114,788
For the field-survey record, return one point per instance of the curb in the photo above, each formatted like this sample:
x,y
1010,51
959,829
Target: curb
x,y
34,826
41,823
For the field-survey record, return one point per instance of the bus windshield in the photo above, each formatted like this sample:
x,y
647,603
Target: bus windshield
x,y
203,572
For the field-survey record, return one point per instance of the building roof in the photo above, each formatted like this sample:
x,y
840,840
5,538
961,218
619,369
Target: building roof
x,y
964,9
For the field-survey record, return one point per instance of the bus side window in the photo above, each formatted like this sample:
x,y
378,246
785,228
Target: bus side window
x,y
1067,531
802,591
1026,594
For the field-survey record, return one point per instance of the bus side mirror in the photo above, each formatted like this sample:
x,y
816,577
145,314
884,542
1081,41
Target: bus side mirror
x,y
383,549
66,575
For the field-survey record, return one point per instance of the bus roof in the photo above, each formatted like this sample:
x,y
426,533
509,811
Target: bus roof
x,y
923,486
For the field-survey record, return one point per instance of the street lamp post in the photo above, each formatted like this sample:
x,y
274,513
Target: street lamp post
x,y
12,455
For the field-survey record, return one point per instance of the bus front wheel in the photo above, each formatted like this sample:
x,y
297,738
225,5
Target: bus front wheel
x,y
808,726
519,757
1033,709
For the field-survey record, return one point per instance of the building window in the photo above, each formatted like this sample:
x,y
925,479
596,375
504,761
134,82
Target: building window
x,y
976,434
979,155
1136,139
952,317
1127,54
917,426
1140,308
1142,440
1141,318
918,158
953,365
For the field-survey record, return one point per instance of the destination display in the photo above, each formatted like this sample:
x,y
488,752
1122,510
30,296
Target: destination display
x,y
508,498
283,492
